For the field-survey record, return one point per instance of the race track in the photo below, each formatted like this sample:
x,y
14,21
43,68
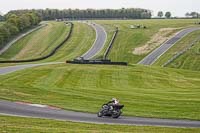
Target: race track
x,y
157,53
10,69
47,112
98,45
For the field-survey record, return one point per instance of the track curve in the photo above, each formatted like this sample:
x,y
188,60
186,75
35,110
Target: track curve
x,y
47,112
98,45
157,53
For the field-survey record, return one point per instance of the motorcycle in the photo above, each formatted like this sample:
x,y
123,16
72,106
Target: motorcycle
x,y
111,111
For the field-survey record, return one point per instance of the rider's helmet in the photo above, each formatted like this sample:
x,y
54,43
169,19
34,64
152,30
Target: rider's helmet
x,y
115,100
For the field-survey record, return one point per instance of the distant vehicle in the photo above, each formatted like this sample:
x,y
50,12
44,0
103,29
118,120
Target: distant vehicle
x,y
113,111
137,26
133,27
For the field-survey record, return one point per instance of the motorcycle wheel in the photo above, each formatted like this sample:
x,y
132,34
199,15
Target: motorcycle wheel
x,y
100,114
116,115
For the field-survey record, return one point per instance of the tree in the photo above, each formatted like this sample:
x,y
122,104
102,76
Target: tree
x,y
187,14
168,14
1,18
194,14
4,33
13,19
12,28
160,14
15,22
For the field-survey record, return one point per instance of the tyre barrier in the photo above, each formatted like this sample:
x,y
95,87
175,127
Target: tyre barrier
x,y
46,56
97,62
111,44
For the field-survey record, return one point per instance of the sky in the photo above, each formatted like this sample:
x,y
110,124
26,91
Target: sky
x,y
177,7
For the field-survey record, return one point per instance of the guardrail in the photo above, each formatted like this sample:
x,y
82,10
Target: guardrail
x,y
111,44
46,56
181,53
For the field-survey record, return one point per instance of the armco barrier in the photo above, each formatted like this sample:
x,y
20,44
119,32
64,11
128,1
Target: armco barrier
x,y
111,44
100,62
46,56
181,52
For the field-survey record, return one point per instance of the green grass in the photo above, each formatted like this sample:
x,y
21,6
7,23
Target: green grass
x,y
81,40
30,125
128,39
110,29
145,91
189,60
38,43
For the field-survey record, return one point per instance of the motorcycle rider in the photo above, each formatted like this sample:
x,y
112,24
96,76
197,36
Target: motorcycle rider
x,y
113,103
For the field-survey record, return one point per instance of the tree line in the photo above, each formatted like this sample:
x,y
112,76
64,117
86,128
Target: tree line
x,y
124,13
193,14
187,15
16,23
167,14
1,18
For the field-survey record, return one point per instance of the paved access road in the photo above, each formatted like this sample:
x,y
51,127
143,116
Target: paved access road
x,y
10,69
98,45
41,111
157,53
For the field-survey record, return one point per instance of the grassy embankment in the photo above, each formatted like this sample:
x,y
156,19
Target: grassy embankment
x,y
122,50
129,39
189,60
110,29
30,125
165,93
38,43
81,40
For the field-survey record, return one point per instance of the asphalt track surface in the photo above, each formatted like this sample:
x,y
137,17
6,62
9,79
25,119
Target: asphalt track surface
x,y
157,53
33,111
98,45
10,69
47,112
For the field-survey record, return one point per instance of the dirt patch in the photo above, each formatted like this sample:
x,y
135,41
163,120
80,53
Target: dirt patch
x,y
163,35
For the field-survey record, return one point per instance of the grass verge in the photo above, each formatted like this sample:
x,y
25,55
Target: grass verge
x,y
165,93
128,39
30,125
38,43
81,40
189,60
